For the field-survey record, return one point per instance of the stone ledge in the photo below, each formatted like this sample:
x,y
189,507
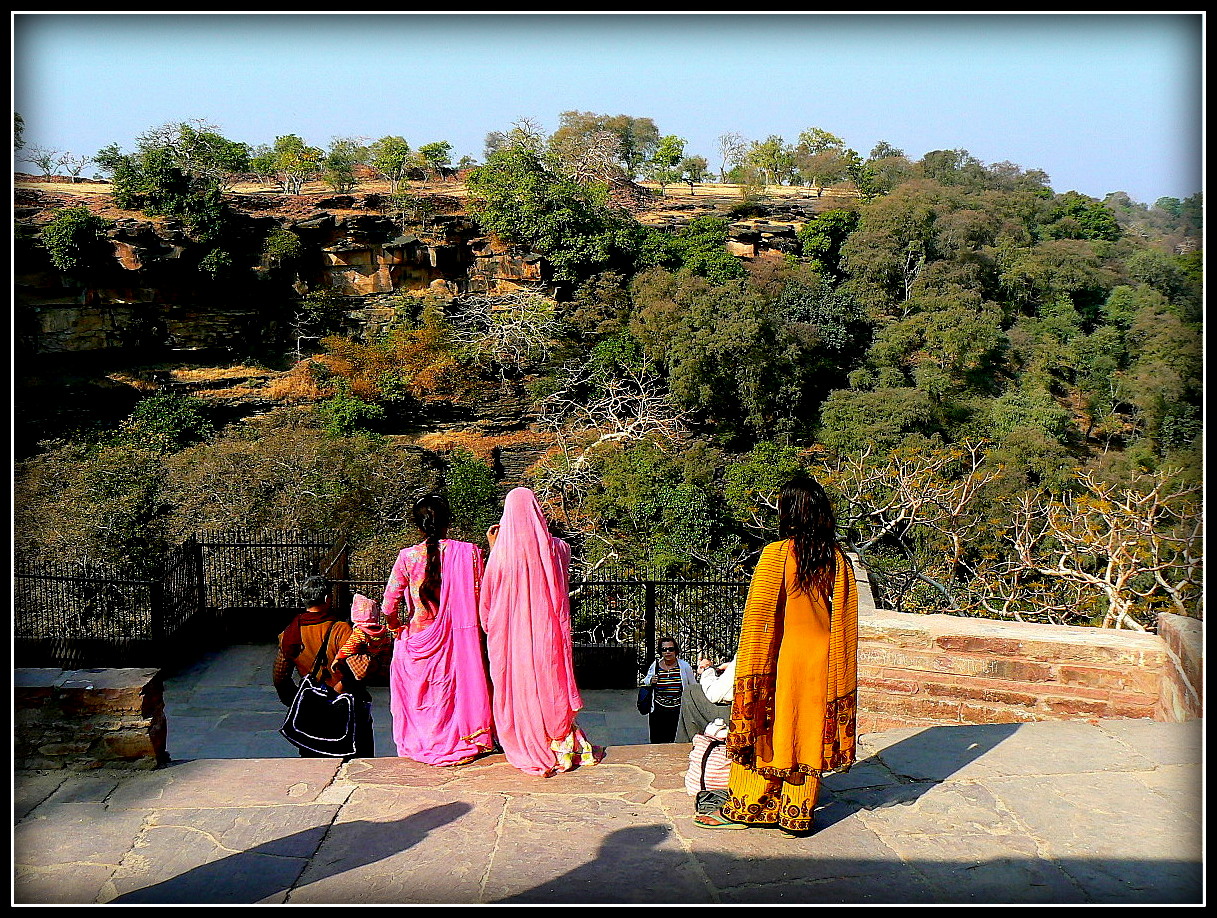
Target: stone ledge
x,y
87,719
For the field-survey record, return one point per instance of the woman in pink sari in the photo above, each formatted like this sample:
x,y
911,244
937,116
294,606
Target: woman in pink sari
x,y
525,612
439,694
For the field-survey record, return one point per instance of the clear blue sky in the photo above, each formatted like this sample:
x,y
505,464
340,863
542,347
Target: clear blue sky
x,y
1101,102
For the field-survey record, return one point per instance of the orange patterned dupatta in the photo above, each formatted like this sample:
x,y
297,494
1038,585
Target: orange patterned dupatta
x,y
750,741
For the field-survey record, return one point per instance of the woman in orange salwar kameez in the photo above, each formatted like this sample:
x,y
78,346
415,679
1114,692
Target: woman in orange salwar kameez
x,y
794,709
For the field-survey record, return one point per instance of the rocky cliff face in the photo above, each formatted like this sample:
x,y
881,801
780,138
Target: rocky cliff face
x,y
155,294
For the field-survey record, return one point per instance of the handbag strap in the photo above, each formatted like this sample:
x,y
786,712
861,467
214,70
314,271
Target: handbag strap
x,y
705,757
320,661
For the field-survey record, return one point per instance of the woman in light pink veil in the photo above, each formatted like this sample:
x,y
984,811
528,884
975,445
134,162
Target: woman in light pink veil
x,y
439,693
525,611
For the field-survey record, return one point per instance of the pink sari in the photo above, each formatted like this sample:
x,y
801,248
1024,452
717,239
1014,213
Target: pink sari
x,y
439,694
525,611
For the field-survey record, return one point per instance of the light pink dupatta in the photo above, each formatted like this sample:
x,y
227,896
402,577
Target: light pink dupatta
x,y
439,694
525,612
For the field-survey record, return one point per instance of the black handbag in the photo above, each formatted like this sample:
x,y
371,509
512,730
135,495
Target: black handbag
x,y
321,720
646,694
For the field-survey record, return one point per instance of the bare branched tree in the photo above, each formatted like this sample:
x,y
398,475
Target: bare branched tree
x,y
732,148
1129,548
48,161
1106,555
593,408
923,502
594,156
74,165
507,333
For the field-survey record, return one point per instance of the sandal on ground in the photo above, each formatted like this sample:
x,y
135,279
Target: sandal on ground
x,y
717,820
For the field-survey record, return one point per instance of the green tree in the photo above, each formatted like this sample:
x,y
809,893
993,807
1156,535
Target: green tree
x,y
821,158
730,354
663,509
1077,216
637,138
698,248
752,482
946,345
199,150
884,150
1028,407
345,413
774,157
664,165
437,156
167,422
473,494
412,208
823,236
953,167
852,420
895,239
345,154
178,170
693,169
281,247
390,158
520,199
290,162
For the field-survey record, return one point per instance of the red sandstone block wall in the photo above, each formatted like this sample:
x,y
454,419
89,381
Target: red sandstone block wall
x,y
927,670
924,670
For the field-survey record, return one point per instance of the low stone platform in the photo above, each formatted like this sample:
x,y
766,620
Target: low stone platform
x,y
1030,813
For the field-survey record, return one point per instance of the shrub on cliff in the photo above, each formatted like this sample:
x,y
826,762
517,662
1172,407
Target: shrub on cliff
x,y
76,241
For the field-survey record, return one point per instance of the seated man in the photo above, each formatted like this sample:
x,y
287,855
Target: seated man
x,y
708,700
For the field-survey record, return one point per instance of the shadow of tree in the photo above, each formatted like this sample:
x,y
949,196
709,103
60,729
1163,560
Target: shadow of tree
x,y
268,871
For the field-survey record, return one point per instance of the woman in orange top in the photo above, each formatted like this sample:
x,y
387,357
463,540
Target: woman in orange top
x,y
319,631
794,709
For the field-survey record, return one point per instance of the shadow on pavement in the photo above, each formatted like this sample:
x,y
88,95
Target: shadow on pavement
x,y
268,871
899,774
633,866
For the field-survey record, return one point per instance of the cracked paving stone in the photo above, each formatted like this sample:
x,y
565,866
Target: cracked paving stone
x,y
227,783
394,848
602,850
986,869
233,855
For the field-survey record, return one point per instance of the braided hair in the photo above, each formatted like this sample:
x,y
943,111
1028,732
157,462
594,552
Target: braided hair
x,y
806,517
432,516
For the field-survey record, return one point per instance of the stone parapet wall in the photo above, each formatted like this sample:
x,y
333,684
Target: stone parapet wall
x,y
930,670
90,718
918,670
1183,681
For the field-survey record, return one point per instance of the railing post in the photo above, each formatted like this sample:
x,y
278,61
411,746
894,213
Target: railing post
x,y
156,613
649,618
196,558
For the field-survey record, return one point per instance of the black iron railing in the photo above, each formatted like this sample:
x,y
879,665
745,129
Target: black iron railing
x,y
244,584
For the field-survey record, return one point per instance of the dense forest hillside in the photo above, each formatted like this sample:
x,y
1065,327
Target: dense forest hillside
x,y
1000,383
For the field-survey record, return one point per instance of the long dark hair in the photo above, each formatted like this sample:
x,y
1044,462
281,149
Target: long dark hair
x,y
805,516
432,515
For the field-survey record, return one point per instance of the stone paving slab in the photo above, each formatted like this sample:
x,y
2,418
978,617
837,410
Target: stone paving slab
x,y
948,815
